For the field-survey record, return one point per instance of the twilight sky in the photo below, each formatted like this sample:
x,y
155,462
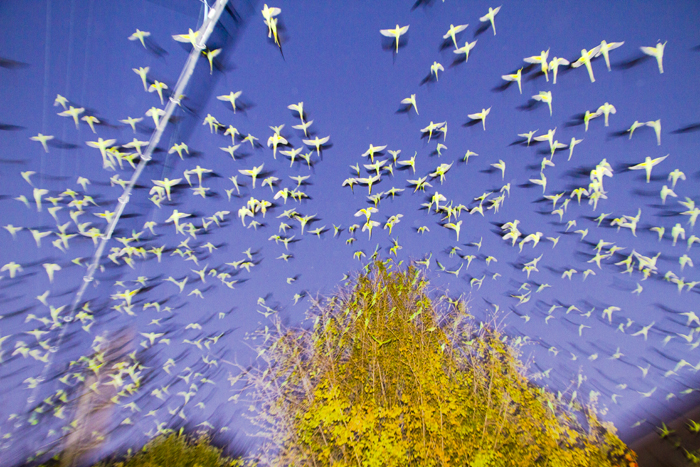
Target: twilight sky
x,y
351,82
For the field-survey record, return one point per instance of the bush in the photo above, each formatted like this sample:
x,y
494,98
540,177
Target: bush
x,y
386,376
175,451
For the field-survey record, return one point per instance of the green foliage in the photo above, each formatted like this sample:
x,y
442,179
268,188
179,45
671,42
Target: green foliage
x,y
176,451
386,376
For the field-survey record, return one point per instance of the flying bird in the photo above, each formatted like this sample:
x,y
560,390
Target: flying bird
x,y
606,109
528,136
657,52
656,125
143,72
517,77
573,143
131,122
634,126
434,69
211,55
491,16
269,13
430,128
395,33
42,139
453,31
481,116
588,116
190,37
648,164
166,184
674,176
231,97
502,167
542,60
412,102
545,96
60,100
72,112
254,172
465,49
299,108
304,126
456,227
275,140
317,142
586,57
139,35
605,49
179,148
554,65
90,120
103,145
51,269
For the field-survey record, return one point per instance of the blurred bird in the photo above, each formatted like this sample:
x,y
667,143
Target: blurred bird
x,y
657,52
542,60
554,65
434,69
656,125
634,126
481,116
143,72
131,122
409,101
586,57
545,96
190,37
42,139
72,112
606,109
158,87
211,54
605,49
674,176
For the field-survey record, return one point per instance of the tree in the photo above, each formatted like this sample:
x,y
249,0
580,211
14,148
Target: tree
x,y
387,376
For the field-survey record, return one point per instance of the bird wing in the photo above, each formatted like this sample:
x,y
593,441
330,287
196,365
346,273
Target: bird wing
x,y
533,59
578,63
594,52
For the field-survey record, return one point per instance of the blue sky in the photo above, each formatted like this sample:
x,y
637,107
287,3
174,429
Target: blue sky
x,y
351,82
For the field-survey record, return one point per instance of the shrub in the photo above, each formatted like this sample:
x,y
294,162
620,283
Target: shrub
x,y
175,451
